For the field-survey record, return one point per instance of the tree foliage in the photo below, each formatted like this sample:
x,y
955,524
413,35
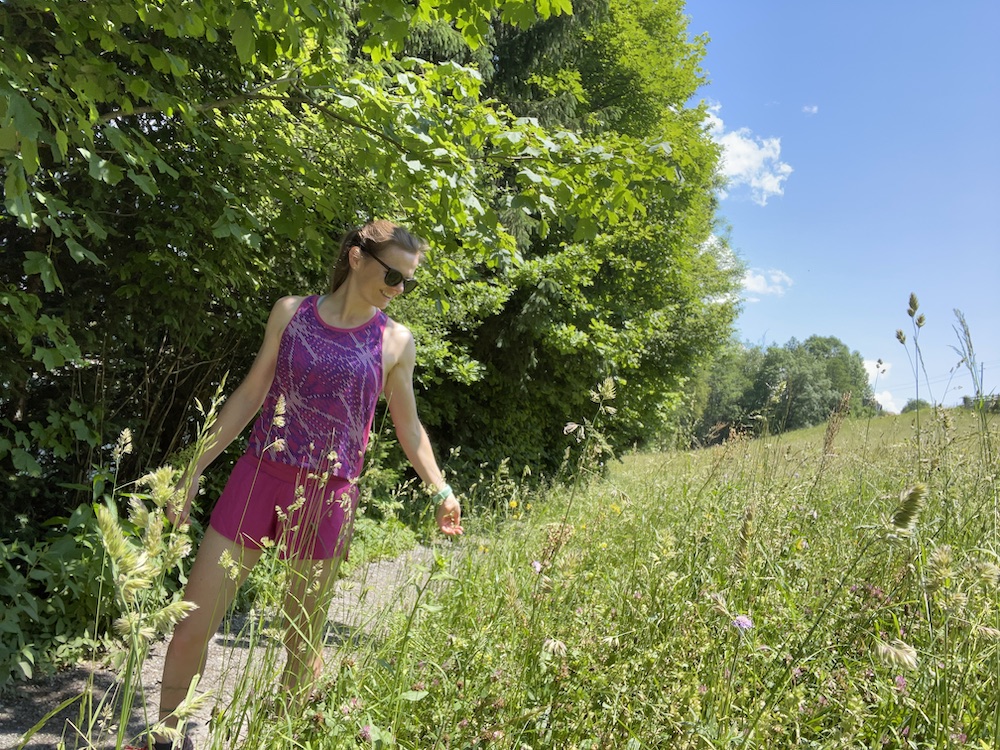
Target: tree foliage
x,y
169,170
782,387
915,404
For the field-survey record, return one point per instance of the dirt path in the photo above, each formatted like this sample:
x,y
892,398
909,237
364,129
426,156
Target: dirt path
x,y
360,601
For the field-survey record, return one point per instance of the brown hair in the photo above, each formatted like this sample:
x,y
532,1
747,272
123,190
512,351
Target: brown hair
x,y
373,237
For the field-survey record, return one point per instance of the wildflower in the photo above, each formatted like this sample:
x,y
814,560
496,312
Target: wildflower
x,y
365,735
743,622
536,566
279,412
512,504
279,445
900,684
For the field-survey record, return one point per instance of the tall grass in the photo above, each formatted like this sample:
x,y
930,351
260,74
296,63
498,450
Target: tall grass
x,y
770,593
822,589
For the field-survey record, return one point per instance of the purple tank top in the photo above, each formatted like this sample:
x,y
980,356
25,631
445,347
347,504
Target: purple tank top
x,y
330,380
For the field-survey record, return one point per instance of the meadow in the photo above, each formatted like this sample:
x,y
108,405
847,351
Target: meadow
x,y
832,587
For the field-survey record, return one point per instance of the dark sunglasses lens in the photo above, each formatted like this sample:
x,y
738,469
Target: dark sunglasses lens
x,y
393,277
409,285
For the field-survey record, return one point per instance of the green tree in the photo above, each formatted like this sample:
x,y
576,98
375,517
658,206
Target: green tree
x,y
915,404
644,299
729,379
169,171
787,387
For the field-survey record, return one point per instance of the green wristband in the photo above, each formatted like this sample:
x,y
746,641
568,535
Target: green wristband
x,y
441,494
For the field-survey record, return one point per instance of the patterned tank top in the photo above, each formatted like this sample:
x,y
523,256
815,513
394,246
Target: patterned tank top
x,y
318,412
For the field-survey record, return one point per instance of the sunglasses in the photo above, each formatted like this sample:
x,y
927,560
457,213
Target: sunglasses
x,y
392,276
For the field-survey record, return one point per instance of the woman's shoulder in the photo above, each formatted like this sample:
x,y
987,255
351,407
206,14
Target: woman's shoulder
x,y
283,311
396,330
288,305
397,339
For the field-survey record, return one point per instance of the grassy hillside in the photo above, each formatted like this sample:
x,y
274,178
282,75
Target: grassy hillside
x,y
769,592
835,587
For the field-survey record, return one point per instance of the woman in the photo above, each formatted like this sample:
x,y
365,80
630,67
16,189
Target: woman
x,y
318,375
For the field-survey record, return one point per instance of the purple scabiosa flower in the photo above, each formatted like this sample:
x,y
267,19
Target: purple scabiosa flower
x,y
743,622
365,735
901,684
536,566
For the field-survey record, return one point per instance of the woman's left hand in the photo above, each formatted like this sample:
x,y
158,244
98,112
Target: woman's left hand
x,y
449,516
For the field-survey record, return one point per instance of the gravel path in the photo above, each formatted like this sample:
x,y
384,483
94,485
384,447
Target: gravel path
x,y
360,601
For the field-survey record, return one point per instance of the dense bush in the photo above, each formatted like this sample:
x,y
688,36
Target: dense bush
x,y
169,173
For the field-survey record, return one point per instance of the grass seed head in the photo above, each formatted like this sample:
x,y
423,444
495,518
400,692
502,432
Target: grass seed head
x,y
554,647
123,446
939,571
988,574
897,654
165,619
911,502
161,485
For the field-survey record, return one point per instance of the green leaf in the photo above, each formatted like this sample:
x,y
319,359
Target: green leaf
x,y
25,463
40,264
62,145
79,252
51,358
8,139
101,169
29,155
16,196
519,13
413,695
244,38
146,183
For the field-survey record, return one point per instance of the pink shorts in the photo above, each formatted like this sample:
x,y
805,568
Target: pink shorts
x,y
306,517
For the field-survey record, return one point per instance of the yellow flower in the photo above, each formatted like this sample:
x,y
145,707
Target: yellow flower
x,y
512,503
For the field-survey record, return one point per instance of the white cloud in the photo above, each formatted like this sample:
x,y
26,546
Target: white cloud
x,y
877,370
765,282
887,401
810,109
748,160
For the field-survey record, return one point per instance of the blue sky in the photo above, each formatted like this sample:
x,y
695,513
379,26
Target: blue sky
x,y
862,143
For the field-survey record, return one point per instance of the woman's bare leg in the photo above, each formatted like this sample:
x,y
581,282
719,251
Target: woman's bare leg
x,y
212,587
307,604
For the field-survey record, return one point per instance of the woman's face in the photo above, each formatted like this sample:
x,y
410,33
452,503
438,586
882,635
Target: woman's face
x,y
371,274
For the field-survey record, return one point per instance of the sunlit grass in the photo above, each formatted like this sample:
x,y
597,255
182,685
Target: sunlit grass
x,y
812,589
732,595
